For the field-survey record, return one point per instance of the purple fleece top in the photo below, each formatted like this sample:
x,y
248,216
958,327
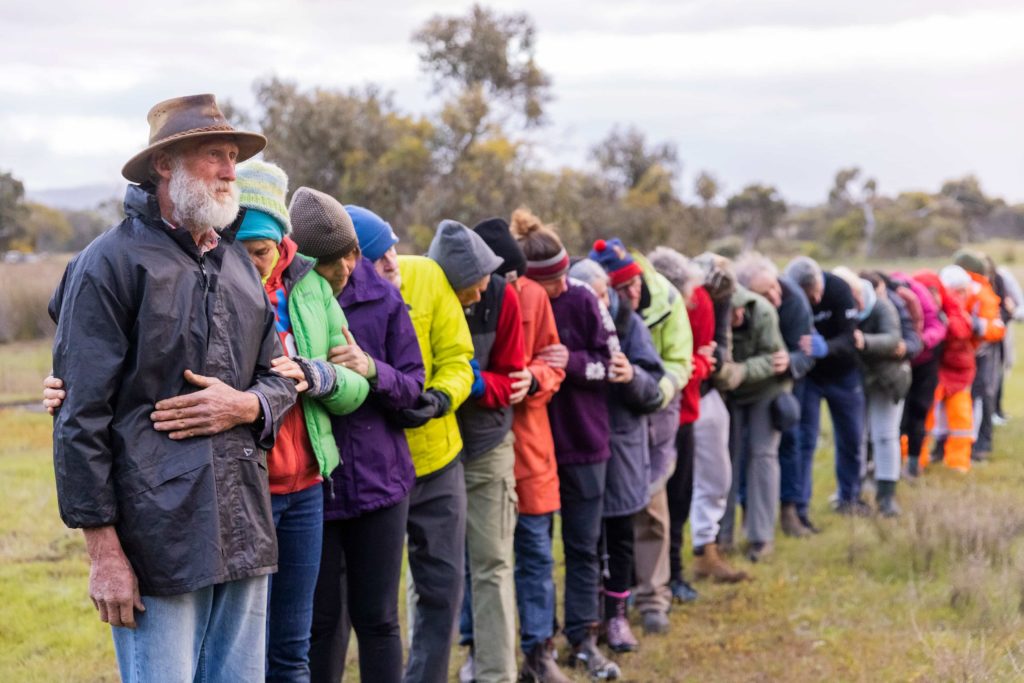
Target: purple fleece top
x,y
579,411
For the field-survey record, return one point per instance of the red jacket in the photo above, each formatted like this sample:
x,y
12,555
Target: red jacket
x,y
702,323
957,366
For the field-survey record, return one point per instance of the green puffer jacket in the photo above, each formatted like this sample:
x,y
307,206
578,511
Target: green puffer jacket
x,y
753,345
317,321
669,323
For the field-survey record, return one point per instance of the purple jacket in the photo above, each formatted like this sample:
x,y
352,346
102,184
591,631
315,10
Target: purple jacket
x,y
933,330
376,470
579,411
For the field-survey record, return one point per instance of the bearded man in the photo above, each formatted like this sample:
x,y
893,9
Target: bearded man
x,y
164,343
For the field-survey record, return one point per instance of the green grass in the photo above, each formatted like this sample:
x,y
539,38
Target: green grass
x,y
22,370
937,595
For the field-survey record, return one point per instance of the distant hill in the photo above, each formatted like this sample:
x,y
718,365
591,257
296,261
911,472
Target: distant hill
x,y
76,198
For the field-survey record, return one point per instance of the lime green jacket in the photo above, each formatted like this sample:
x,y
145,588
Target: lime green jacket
x,y
669,323
447,348
317,321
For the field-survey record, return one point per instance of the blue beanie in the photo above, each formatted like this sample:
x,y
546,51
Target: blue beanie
x,y
373,232
615,260
259,226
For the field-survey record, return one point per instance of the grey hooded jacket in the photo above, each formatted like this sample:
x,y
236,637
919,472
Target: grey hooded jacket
x,y
135,309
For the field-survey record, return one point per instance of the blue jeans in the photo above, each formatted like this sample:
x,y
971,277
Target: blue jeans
x,y
845,398
535,584
211,634
791,467
299,519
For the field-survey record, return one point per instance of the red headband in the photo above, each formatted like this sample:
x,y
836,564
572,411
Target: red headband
x,y
549,268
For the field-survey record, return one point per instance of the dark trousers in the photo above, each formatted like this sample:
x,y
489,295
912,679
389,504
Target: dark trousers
x,y
925,379
582,491
618,549
791,466
984,394
845,398
680,495
298,519
358,588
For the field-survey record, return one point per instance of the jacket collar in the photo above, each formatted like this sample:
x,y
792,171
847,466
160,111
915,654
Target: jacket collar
x,y
663,293
364,284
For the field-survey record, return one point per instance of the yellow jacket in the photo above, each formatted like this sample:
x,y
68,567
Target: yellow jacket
x,y
447,348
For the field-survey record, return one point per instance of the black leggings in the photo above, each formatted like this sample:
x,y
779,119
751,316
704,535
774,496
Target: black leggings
x,y
680,494
360,569
919,402
618,543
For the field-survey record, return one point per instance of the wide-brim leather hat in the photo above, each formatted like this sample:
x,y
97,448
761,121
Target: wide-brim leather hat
x,y
188,118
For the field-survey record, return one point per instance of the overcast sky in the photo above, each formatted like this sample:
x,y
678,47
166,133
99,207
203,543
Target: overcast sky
x,y
786,92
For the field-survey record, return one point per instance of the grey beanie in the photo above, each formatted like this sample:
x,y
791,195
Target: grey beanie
x,y
320,225
462,254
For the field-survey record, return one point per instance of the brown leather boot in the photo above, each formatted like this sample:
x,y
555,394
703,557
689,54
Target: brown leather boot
x,y
711,565
540,666
790,522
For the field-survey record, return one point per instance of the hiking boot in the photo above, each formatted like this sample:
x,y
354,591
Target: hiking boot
x,y
809,525
759,550
655,621
616,625
589,656
711,565
980,455
540,666
853,508
885,501
790,521
467,672
682,591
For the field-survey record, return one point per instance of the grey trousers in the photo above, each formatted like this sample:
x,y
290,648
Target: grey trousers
x,y
712,469
754,444
436,533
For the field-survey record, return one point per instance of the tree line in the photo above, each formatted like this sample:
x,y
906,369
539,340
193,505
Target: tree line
x,y
473,158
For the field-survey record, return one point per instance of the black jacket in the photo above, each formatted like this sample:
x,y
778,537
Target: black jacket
x,y
795,321
135,309
835,318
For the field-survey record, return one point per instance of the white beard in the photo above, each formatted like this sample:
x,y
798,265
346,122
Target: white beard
x,y
197,206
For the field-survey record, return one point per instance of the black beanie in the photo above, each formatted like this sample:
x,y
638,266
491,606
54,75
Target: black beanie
x,y
495,233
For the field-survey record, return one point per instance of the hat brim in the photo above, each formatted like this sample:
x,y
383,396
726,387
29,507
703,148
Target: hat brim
x,y
249,145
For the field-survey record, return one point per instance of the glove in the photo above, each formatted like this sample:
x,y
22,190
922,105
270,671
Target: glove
x,y
477,390
320,375
431,403
819,347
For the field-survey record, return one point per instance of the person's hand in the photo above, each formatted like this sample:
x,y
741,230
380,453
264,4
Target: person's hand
x,y
555,355
113,587
53,394
901,349
430,404
286,367
620,370
351,356
708,351
214,409
780,361
521,382
858,340
805,344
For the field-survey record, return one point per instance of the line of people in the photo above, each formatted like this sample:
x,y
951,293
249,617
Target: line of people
x,y
451,404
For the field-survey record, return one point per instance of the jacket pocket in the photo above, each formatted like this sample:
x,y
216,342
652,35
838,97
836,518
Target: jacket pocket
x,y
174,464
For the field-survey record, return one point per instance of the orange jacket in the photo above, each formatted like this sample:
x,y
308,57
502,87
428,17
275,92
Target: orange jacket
x,y
983,306
536,470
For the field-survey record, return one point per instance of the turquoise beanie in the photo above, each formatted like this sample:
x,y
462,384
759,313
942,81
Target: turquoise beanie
x,y
259,226
374,233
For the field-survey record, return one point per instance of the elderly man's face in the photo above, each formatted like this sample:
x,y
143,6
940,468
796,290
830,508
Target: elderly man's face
x,y
767,285
471,294
632,289
200,183
815,292
387,267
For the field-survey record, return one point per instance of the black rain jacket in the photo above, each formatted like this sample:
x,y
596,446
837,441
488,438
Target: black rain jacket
x,y
135,309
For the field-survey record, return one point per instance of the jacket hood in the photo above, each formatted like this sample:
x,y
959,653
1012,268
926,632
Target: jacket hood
x,y
364,284
462,254
662,293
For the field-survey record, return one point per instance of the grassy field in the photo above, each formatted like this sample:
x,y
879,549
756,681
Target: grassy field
x,y
937,595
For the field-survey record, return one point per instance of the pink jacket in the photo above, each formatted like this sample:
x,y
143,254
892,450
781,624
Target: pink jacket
x,y
933,329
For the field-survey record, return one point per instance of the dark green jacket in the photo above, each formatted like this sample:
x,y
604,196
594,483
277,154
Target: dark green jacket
x,y
753,344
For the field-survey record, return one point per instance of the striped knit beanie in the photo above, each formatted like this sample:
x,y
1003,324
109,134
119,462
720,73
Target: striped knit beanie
x,y
263,186
320,225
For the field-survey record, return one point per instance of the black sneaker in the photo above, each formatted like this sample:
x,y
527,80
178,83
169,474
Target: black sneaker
x,y
682,591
